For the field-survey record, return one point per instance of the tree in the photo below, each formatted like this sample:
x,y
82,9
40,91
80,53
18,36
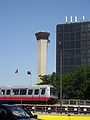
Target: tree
x,y
76,85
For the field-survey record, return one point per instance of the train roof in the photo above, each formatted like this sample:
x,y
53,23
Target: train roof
x,y
36,86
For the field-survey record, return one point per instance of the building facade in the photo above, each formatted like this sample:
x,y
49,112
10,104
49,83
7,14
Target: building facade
x,y
75,46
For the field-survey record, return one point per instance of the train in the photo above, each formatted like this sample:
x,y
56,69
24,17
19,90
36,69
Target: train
x,y
36,94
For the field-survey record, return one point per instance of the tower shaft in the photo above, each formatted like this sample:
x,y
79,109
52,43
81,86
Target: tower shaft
x,y
42,40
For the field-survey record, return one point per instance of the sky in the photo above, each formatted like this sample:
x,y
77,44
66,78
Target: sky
x,y
19,21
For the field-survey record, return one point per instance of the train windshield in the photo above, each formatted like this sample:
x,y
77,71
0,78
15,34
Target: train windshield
x,y
53,91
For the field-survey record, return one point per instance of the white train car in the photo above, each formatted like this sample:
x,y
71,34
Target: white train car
x,y
36,94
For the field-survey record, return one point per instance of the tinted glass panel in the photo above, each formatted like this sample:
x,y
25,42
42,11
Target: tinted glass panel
x,y
30,91
36,92
3,92
8,92
53,91
23,91
15,91
43,91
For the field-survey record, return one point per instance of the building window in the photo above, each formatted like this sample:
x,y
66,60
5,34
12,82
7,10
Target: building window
x,y
66,36
78,53
84,44
72,36
77,36
78,61
66,45
72,61
72,45
78,44
66,53
72,53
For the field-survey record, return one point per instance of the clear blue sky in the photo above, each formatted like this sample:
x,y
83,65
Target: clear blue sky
x,y
19,21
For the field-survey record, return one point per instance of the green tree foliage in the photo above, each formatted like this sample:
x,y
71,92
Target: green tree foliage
x,y
76,85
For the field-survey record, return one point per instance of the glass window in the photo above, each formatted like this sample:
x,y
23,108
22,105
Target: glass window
x,y
23,91
84,53
78,61
66,45
66,36
84,60
59,28
84,34
89,59
66,53
72,36
88,34
78,53
3,92
89,53
84,44
60,37
72,61
66,61
72,53
8,92
15,91
30,91
43,91
77,36
88,25
78,44
72,45
66,69
66,28
53,91
36,92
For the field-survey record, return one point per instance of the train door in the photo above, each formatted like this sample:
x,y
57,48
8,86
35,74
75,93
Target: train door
x,y
37,94
8,95
43,95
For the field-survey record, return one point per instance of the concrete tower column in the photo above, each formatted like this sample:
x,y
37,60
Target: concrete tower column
x,y
42,40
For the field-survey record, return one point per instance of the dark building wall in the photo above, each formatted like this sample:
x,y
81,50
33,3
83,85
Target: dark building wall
x,y
75,39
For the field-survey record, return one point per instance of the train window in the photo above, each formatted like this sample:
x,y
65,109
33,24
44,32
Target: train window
x,y
36,92
3,92
23,91
43,91
15,91
30,91
8,92
53,91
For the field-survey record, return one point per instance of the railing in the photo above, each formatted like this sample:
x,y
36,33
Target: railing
x,y
75,102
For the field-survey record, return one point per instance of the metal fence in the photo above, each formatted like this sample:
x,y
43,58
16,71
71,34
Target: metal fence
x,y
75,102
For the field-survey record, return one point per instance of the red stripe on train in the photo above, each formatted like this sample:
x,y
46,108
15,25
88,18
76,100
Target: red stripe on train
x,y
25,98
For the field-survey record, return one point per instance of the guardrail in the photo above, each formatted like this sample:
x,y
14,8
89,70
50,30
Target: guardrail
x,y
57,109
75,102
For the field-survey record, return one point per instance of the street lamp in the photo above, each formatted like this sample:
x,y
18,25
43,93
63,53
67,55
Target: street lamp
x,y
60,44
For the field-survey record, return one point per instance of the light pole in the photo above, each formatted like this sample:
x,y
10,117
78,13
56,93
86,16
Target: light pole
x,y
60,44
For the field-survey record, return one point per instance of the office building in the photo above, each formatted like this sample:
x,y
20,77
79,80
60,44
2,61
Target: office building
x,y
73,39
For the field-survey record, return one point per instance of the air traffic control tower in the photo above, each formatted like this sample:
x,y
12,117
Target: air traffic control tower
x,y
42,40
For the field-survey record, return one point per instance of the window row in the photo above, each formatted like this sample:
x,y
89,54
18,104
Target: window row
x,y
22,91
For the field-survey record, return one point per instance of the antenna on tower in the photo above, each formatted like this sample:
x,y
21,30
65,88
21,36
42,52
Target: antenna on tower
x,y
83,18
76,19
71,19
66,19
